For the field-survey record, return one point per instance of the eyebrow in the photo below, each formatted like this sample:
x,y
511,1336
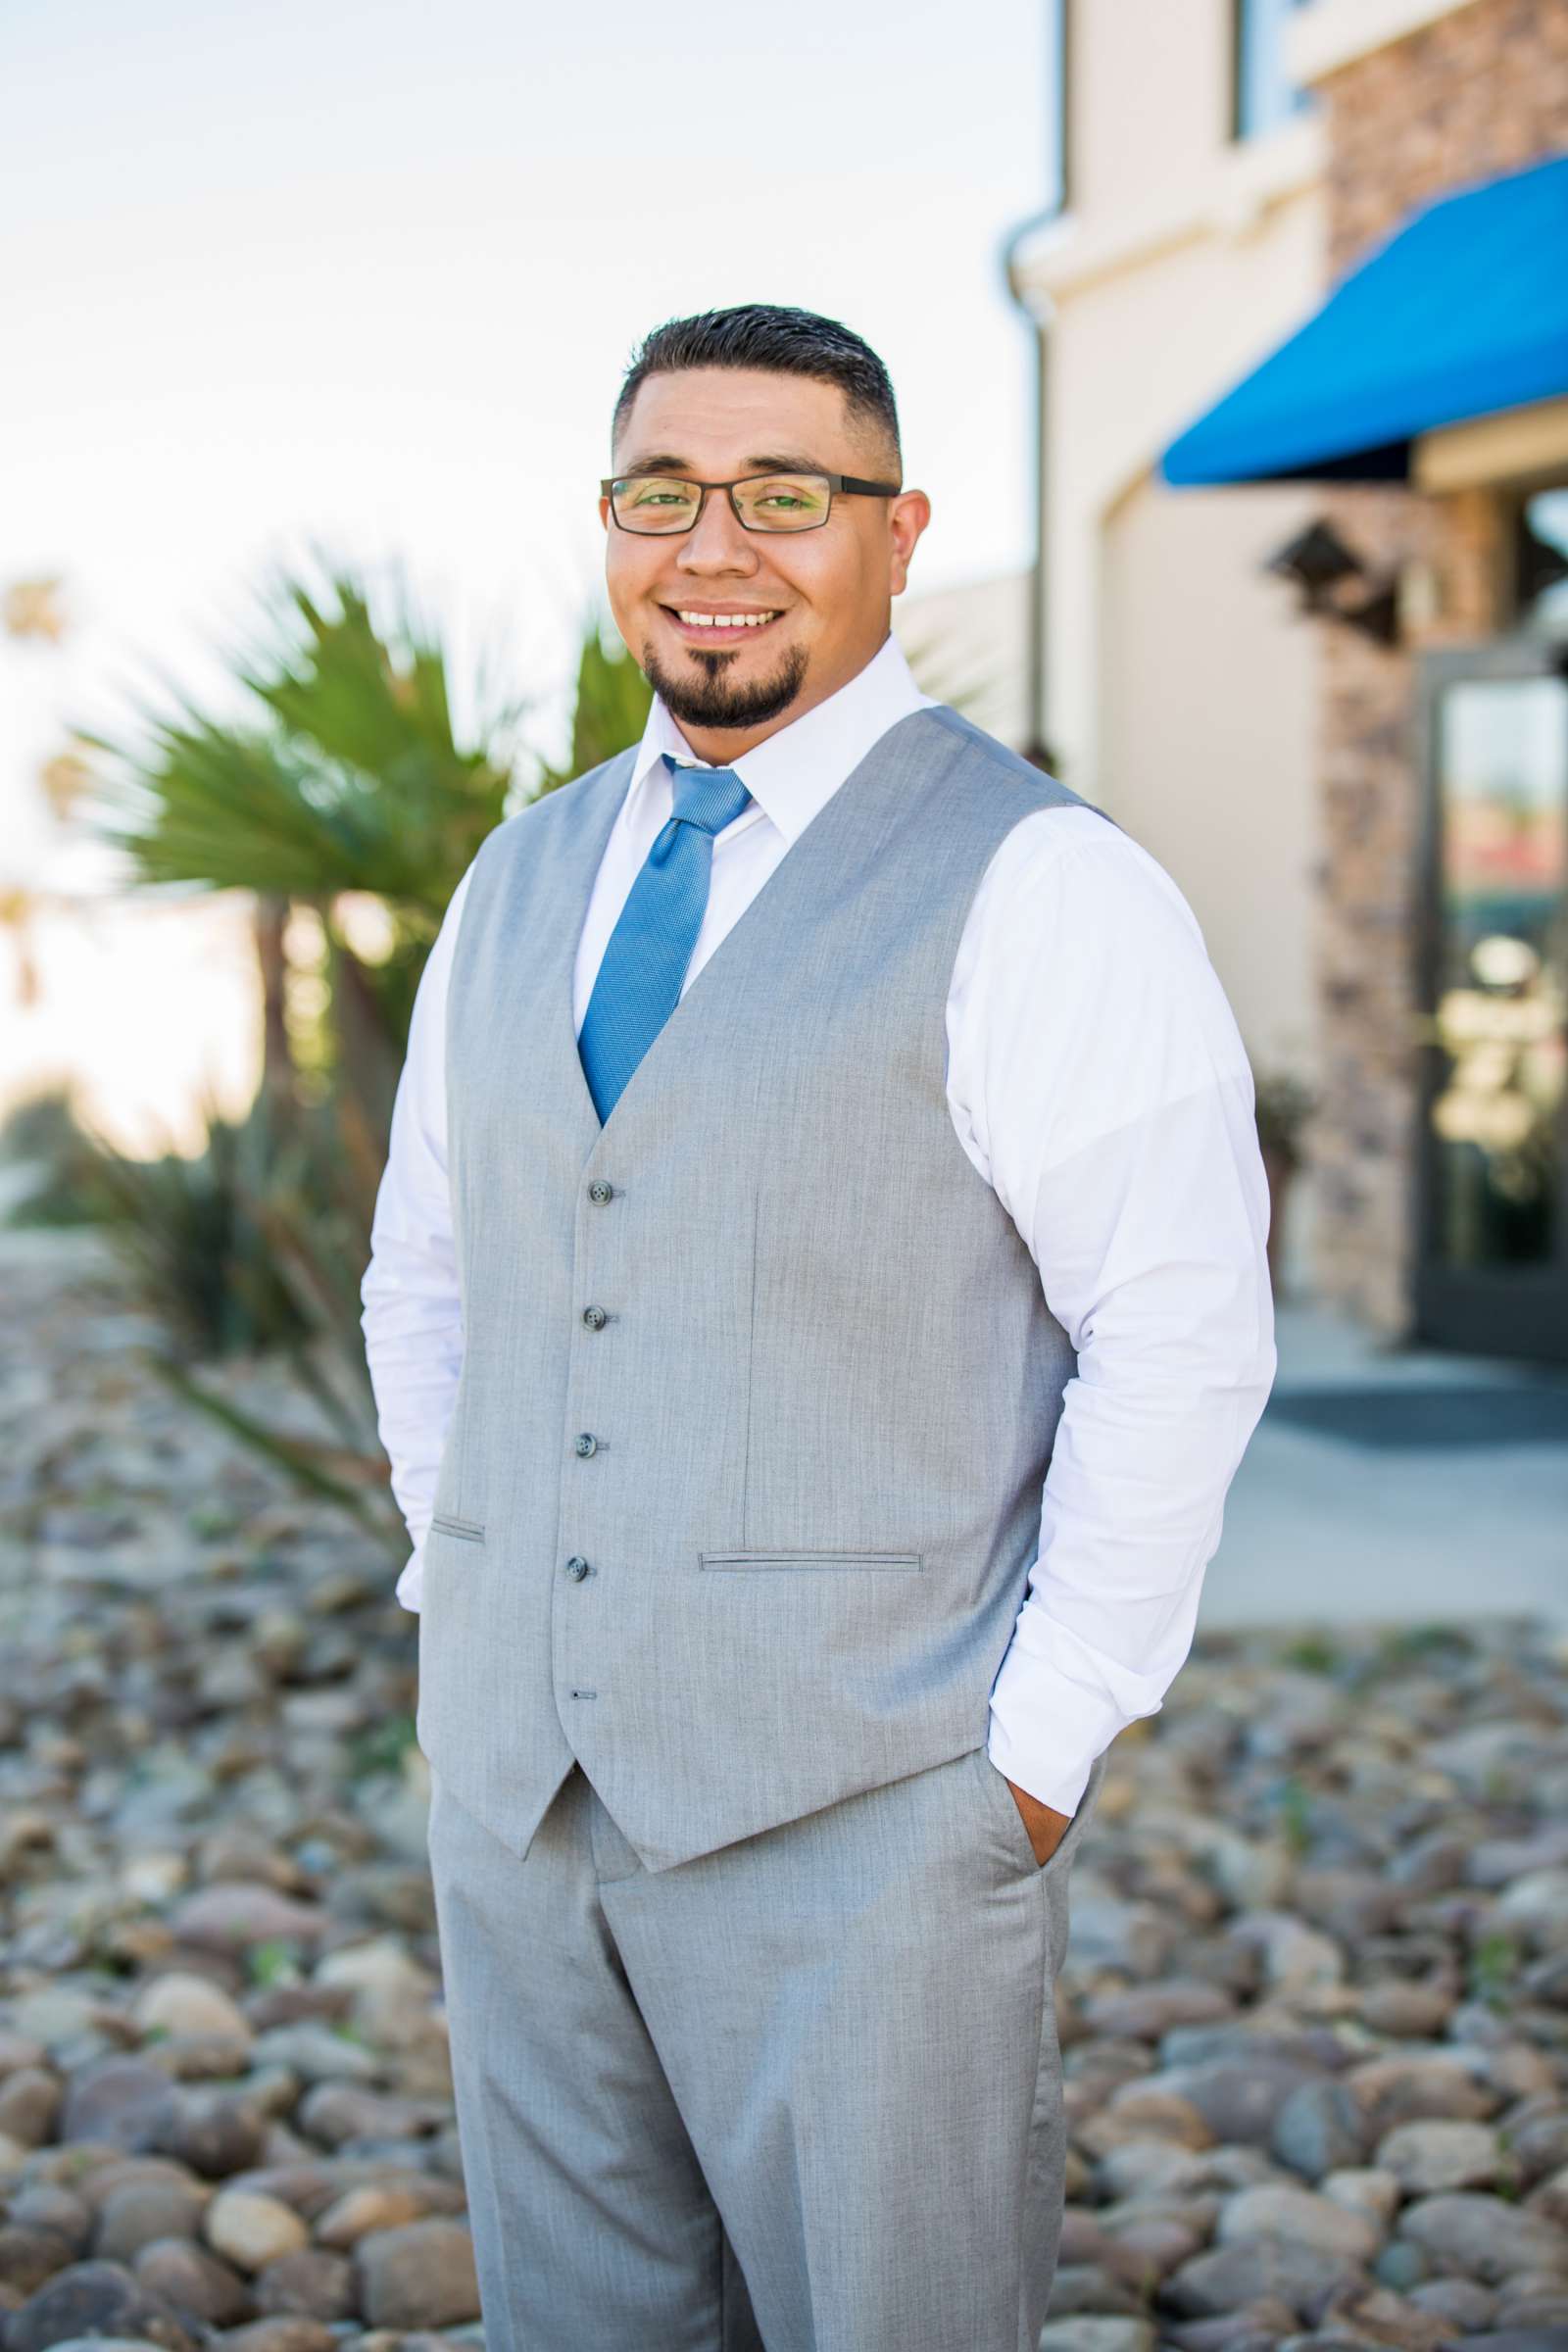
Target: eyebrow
x,y
662,462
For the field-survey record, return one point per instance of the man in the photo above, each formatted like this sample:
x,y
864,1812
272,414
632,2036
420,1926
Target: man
x,y
811,1386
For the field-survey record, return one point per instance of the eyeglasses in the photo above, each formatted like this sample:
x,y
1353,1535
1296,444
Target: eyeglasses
x,y
658,505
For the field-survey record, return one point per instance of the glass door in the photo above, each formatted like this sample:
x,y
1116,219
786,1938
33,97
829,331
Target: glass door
x,y
1491,1223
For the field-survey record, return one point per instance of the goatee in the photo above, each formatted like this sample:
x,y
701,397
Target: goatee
x,y
702,697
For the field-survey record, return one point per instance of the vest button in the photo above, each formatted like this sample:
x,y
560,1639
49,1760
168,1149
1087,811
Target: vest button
x,y
599,1190
587,1442
577,1568
595,1317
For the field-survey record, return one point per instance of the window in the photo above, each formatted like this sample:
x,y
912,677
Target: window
x,y
1541,564
1492,976
1263,96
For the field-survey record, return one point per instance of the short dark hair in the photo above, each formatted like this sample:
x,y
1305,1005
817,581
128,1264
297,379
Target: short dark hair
x,y
771,335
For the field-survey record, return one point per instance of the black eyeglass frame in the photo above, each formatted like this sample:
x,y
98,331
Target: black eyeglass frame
x,y
836,483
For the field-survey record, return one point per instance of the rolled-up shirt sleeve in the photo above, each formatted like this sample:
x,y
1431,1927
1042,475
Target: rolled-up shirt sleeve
x,y
413,1315
1099,1077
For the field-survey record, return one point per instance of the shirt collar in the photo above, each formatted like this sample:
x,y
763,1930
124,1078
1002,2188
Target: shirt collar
x,y
794,772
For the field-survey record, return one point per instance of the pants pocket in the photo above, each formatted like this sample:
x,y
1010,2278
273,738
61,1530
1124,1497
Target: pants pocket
x,y
1067,1845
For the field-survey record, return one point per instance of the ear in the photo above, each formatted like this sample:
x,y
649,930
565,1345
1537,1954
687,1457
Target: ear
x,y
907,517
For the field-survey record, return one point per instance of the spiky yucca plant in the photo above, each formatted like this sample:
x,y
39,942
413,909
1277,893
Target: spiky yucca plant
x,y
344,784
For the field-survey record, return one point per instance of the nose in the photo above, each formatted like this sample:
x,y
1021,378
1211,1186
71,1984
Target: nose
x,y
716,542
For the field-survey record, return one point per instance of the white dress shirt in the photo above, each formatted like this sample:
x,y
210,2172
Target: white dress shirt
x,y
1098,1081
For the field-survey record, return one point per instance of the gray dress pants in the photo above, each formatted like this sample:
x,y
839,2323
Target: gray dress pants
x,y
800,2094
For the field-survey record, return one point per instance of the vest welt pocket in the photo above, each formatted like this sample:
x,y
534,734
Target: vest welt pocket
x,y
907,1563
467,1530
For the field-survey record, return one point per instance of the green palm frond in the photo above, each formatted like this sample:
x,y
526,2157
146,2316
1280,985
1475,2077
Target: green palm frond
x,y
610,709
349,777
345,772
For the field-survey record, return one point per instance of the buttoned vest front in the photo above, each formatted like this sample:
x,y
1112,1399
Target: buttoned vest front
x,y
759,1388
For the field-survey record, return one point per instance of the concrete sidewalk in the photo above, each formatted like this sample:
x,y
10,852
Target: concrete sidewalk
x,y
1437,1490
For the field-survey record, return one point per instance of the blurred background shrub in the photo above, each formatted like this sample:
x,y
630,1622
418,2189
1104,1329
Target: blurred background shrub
x,y
343,800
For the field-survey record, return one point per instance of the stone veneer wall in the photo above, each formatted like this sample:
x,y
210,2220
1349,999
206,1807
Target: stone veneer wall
x,y
1480,92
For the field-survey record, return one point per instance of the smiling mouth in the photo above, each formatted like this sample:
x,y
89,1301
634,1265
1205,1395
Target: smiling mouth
x,y
718,628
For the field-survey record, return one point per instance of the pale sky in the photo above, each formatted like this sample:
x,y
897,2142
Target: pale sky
x,y
369,275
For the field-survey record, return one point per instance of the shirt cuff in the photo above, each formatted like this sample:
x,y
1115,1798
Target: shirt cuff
x,y
1047,1729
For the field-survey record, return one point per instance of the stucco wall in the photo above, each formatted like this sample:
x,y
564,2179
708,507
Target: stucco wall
x,y
1180,687
1207,740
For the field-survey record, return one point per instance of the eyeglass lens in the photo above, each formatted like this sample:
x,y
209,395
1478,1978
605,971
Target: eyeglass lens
x,y
768,502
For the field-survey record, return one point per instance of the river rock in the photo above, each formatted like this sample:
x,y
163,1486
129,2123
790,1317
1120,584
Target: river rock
x,y
141,2211
215,2132
1237,2102
194,2280
249,2229
1538,1904
234,1914
1320,2128
184,2006
1412,2086
1482,2237
1363,2191
1462,2305
125,2100
311,2281
28,2255
1246,2270
1407,2011
1430,2156
49,2205
333,2112
1084,2331
378,2206
283,2332
1147,2012
30,2105
1296,1958
1538,2142
316,2054
1304,2218
421,2276
94,2299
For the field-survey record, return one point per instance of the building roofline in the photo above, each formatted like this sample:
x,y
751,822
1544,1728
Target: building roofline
x,y
1330,34
1057,253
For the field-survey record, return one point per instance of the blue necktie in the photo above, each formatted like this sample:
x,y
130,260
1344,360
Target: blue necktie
x,y
639,982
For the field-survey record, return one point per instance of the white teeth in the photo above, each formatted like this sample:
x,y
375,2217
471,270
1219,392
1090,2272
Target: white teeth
x,y
721,621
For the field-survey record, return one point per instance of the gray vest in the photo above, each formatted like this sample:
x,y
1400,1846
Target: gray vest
x,y
759,1389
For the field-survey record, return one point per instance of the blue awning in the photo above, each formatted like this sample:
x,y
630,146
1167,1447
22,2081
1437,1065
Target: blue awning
x,y
1460,313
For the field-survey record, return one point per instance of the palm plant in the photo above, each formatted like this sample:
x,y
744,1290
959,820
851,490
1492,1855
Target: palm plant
x,y
609,710
345,804
349,779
